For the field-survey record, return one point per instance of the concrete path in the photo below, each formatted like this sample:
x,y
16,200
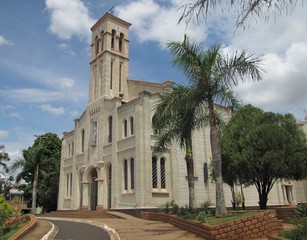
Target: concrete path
x,y
123,227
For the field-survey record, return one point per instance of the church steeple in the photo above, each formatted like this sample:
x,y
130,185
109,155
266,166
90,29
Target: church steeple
x,y
109,58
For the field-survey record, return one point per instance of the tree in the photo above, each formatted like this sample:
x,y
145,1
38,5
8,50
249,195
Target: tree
x,y
245,8
211,76
263,147
40,164
4,157
174,119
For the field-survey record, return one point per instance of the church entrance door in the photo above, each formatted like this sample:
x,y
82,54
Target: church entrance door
x,y
93,190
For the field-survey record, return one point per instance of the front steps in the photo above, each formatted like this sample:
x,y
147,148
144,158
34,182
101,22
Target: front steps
x,y
78,214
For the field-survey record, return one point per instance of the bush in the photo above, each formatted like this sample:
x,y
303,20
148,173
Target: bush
x,y
6,210
201,216
206,206
299,232
301,209
184,212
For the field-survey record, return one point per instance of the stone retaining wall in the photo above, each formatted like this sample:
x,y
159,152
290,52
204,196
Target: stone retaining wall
x,y
257,226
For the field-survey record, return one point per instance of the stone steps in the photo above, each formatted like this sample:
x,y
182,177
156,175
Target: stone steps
x,y
78,214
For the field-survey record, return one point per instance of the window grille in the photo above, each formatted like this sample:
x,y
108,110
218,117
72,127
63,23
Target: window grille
x,y
162,171
125,174
131,125
125,128
154,173
70,185
132,172
110,129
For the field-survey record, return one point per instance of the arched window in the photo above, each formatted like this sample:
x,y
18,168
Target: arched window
x,y
131,126
94,133
68,184
132,173
162,173
82,140
125,174
113,39
96,45
125,127
154,170
111,74
102,40
128,175
158,174
110,123
120,77
121,42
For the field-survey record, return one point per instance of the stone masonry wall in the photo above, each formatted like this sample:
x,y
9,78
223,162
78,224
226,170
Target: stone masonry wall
x,y
257,226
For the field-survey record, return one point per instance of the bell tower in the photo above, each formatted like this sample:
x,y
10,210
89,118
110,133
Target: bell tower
x,y
109,58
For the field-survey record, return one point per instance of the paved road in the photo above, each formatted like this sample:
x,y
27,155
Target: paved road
x,y
78,231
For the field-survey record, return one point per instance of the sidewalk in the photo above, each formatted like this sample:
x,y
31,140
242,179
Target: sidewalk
x,y
124,227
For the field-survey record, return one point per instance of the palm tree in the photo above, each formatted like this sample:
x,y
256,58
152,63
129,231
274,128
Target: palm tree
x,y
212,76
30,164
174,120
4,157
245,8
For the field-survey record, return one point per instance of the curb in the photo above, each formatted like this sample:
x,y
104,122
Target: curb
x,y
28,227
50,233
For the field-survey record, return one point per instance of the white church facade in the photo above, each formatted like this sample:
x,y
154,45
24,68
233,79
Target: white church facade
x,y
107,160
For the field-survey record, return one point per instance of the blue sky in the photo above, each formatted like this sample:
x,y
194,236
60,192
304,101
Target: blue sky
x,y
44,58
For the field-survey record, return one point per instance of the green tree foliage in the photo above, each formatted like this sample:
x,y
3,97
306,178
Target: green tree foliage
x,y
6,211
40,167
246,9
174,120
211,76
261,147
4,157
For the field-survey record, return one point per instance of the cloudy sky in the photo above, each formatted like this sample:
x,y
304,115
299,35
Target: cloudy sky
x,y
44,58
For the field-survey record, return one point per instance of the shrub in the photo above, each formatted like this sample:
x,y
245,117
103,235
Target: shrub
x,y
175,207
184,212
206,206
5,212
302,209
200,217
166,207
299,232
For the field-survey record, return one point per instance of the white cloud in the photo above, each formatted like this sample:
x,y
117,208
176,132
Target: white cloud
x,y
69,18
284,85
73,113
67,49
52,110
32,95
3,41
65,83
154,22
4,133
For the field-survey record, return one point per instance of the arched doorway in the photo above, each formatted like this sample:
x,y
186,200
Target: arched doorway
x,y
109,183
93,189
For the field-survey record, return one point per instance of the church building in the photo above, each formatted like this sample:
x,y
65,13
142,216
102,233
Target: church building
x,y
107,160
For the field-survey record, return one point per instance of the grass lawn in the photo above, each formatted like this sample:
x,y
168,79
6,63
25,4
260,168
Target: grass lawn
x,y
12,231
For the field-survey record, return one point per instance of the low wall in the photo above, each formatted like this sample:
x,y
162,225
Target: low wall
x,y
257,226
28,227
